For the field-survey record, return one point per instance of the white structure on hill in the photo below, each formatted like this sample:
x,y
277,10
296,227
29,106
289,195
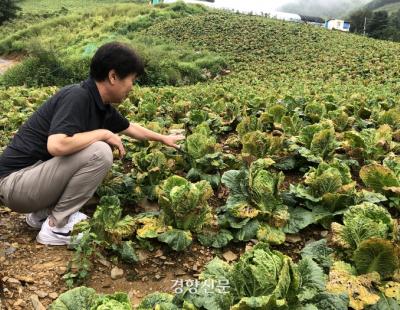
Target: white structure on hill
x,y
337,24
285,16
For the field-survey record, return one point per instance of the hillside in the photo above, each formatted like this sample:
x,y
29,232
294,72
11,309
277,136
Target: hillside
x,y
48,6
390,8
246,42
385,5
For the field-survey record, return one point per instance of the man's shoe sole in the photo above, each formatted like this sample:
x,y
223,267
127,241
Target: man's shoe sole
x,y
50,240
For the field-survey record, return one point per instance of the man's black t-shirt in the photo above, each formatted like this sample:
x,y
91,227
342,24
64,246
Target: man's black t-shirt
x,y
75,108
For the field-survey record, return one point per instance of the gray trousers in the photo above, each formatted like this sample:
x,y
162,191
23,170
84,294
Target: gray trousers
x,y
62,184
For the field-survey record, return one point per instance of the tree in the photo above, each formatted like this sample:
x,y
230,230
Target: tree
x,y
377,26
357,20
8,10
393,30
395,20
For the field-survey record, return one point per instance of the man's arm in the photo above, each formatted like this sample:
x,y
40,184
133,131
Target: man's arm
x,y
140,133
62,145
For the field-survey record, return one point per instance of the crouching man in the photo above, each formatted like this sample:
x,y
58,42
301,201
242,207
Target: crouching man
x,y
61,154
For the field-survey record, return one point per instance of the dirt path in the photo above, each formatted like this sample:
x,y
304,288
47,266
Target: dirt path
x,y
6,64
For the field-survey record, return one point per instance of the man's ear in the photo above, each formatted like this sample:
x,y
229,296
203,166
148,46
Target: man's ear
x,y
112,76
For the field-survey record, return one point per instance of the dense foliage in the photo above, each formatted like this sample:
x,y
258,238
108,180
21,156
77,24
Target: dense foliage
x,y
379,24
8,10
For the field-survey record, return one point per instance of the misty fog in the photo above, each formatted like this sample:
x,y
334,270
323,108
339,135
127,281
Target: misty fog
x,y
322,8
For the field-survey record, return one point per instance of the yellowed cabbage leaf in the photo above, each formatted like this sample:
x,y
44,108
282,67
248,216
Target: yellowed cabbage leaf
x,y
391,289
336,236
151,228
359,288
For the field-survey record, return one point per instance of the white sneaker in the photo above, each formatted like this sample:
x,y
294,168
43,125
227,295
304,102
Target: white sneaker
x,y
59,236
36,219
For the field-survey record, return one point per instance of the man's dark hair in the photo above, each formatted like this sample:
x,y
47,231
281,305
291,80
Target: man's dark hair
x,y
117,56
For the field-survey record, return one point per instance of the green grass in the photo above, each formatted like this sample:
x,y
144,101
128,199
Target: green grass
x,y
61,46
40,6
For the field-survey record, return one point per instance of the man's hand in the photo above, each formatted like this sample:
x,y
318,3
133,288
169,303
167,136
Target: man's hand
x,y
171,140
115,141
140,133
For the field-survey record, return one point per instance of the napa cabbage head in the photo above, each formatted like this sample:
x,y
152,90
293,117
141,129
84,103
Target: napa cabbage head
x,y
362,222
329,185
150,169
87,298
199,145
316,142
255,192
184,204
261,279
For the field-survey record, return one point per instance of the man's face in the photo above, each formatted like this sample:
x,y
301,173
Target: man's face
x,y
121,88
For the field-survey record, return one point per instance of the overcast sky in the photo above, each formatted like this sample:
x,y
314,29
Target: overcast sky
x,y
251,5
254,6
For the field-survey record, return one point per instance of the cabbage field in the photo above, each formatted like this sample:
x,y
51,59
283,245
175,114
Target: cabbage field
x,y
291,131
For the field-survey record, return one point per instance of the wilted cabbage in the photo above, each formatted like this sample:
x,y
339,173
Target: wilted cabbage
x,y
390,117
260,144
329,183
263,279
292,125
340,119
119,184
317,142
204,156
87,298
105,230
377,255
247,124
184,204
369,144
362,222
315,111
150,169
254,199
198,145
276,112
382,179
157,301
107,222
344,280
184,209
